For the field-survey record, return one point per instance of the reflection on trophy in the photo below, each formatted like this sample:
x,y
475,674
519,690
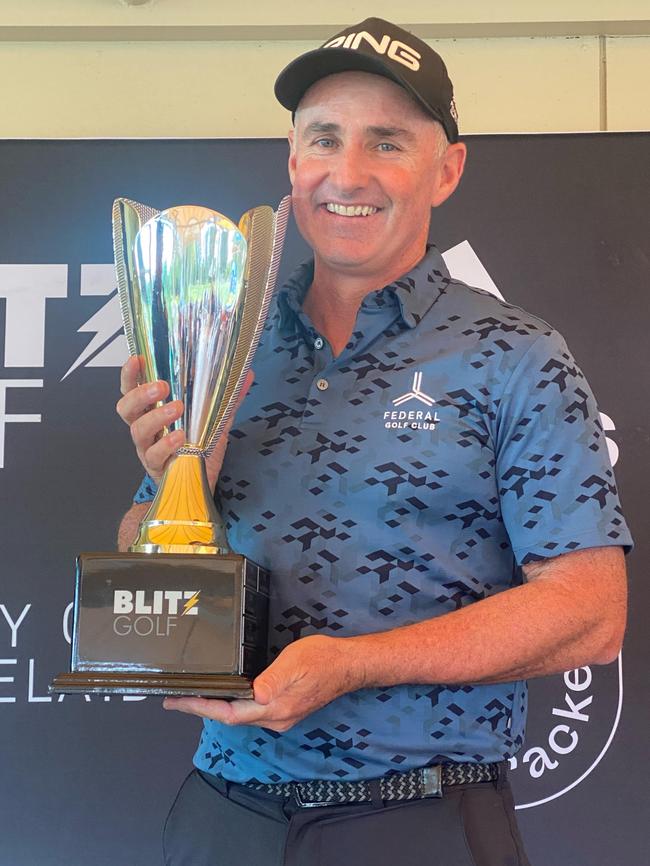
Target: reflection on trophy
x,y
181,613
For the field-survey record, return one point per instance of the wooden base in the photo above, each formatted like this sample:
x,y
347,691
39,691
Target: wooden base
x,y
225,686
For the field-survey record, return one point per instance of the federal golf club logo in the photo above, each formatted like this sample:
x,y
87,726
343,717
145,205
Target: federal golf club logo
x,y
572,720
398,51
147,612
412,418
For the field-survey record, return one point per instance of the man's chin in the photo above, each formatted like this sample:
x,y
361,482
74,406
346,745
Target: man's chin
x,y
348,262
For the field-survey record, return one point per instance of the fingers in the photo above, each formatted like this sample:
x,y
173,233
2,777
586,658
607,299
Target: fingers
x,y
131,373
146,428
137,408
238,712
157,456
140,399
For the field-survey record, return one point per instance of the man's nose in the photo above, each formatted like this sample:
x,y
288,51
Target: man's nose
x,y
350,171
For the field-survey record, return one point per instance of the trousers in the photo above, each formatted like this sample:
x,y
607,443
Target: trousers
x,y
216,823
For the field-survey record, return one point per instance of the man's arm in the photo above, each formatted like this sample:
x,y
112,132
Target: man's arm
x,y
130,523
570,613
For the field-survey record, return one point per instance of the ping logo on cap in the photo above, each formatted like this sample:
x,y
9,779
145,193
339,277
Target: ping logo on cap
x,y
398,51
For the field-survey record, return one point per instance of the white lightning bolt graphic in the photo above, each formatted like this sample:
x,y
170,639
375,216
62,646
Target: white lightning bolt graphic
x,y
106,324
465,265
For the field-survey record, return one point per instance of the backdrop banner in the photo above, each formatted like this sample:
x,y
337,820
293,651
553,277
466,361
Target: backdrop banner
x,y
557,224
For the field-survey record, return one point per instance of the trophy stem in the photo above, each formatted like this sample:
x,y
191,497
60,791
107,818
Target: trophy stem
x,y
183,517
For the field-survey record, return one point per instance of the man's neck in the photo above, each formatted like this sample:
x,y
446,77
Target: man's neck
x,y
334,298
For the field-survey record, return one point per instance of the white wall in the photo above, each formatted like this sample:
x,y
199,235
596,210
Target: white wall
x,y
206,67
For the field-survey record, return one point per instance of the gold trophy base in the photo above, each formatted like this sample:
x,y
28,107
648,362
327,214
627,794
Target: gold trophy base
x,y
182,518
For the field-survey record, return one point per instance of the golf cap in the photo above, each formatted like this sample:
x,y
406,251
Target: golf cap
x,y
382,48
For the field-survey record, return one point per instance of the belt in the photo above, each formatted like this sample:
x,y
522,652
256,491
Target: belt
x,y
413,785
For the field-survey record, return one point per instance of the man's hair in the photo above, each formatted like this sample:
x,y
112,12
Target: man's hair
x,y
442,142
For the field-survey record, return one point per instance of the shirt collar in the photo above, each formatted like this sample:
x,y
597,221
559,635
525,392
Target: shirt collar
x,y
415,292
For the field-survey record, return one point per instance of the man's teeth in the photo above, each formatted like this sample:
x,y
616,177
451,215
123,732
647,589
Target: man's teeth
x,y
352,210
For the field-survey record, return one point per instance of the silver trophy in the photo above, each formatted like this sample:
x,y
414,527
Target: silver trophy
x,y
181,613
195,290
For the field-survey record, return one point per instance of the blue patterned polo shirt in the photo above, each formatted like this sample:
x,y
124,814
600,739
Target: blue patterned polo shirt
x,y
453,440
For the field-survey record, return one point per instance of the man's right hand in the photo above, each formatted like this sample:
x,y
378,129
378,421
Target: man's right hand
x,y
137,408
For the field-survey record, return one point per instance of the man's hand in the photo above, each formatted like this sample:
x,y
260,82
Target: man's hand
x,y
146,421
137,408
307,674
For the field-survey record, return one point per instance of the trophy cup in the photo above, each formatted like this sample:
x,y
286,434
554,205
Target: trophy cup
x,y
180,613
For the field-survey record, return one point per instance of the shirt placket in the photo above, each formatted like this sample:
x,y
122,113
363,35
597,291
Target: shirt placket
x,y
323,395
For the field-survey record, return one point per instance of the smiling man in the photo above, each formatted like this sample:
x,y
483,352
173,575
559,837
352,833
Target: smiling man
x,y
421,467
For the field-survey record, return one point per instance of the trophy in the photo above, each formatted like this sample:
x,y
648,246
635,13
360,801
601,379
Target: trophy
x,y
180,613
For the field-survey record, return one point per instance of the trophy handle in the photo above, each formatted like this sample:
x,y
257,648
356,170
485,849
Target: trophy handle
x,y
128,218
264,230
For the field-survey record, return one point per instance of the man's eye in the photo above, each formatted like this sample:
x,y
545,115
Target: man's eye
x,y
386,147
325,142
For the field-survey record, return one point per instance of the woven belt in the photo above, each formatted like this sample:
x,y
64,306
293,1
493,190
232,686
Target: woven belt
x,y
413,785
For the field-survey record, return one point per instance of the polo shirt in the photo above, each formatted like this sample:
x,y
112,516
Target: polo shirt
x,y
451,442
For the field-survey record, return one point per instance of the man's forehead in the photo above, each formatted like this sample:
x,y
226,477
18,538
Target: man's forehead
x,y
363,90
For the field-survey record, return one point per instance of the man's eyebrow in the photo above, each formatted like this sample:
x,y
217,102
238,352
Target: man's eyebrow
x,y
319,126
391,132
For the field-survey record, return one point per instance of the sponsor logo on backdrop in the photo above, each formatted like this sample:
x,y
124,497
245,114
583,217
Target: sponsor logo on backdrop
x,y
23,677
29,292
572,721
573,718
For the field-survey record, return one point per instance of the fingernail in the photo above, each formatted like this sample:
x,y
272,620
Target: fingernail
x,y
153,392
171,410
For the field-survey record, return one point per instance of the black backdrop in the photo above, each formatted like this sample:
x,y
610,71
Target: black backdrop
x,y
560,224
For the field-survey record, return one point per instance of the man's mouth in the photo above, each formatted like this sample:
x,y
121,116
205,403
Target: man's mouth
x,y
354,210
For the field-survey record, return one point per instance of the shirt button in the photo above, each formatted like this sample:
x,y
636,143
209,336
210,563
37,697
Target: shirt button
x,y
322,384
319,343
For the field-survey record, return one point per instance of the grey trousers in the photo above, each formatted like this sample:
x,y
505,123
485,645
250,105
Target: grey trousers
x,y
216,823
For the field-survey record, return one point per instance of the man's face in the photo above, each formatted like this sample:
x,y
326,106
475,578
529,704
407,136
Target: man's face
x,y
365,170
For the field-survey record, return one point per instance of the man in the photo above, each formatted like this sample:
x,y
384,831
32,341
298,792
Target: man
x,y
421,468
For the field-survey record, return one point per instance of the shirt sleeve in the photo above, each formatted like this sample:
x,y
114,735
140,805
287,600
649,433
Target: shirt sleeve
x,y
146,491
555,479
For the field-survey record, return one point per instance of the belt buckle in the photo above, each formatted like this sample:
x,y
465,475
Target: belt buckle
x,y
308,804
431,779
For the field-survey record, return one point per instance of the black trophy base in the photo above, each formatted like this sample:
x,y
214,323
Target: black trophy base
x,y
225,686
167,624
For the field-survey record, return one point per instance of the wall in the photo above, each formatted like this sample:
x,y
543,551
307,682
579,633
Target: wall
x,y
202,68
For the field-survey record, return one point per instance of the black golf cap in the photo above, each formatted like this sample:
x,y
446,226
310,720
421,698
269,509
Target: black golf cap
x,y
382,48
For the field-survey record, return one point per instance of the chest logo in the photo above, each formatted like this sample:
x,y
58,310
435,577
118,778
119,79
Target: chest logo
x,y
412,419
416,393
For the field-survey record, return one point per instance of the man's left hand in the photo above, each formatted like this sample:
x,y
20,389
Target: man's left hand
x,y
307,674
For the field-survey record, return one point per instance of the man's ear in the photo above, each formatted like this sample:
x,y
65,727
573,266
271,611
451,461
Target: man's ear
x,y
450,171
292,154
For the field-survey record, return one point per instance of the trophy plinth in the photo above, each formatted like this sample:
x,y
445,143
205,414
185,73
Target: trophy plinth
x,y
169,624
181,614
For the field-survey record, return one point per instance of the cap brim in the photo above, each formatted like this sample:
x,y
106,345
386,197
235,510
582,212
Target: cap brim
x,y
296,78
